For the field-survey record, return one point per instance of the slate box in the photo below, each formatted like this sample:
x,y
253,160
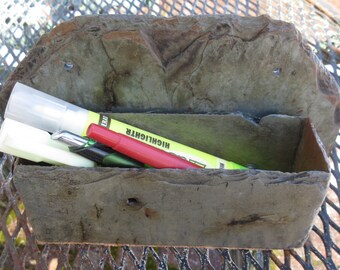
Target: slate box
x,y
270,207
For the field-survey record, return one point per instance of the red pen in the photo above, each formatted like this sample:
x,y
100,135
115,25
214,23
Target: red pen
x,y
137,150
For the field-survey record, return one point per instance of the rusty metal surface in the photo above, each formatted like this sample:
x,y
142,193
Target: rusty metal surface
x,y
22,22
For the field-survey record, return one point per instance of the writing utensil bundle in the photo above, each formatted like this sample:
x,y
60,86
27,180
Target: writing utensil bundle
x,y
43,128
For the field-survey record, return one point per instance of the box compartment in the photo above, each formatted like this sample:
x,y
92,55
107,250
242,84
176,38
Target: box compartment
x,y
270,207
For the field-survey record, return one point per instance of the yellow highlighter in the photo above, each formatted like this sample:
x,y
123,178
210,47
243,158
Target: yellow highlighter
x,y
43,111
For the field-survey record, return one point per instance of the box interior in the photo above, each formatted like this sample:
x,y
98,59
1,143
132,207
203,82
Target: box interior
x,y
274,142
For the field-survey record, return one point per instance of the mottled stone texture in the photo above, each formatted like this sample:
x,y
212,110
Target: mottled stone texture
x,y
221,64
248,209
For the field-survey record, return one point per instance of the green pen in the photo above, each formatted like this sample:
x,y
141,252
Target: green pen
x,y
95,151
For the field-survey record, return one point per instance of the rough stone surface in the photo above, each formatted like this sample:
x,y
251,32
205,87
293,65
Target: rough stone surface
x,y
220,64
209,208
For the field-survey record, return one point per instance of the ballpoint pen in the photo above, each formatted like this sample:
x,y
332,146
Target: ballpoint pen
x,y
95,151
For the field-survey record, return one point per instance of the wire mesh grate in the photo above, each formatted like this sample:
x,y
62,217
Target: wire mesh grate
x,y
22,22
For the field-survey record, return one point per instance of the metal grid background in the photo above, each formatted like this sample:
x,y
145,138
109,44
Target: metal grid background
x,y
20,28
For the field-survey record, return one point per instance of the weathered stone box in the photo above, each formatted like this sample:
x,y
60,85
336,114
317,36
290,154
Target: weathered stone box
x,y
245,89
